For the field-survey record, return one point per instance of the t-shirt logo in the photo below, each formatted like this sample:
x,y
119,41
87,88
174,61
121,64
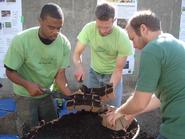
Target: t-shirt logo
x,y
46,60
99,49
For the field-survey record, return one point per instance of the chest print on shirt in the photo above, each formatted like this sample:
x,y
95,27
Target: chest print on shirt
x,y
100,49
107,51
46,60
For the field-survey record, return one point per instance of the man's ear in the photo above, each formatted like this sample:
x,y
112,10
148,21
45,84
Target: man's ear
x,y
143,29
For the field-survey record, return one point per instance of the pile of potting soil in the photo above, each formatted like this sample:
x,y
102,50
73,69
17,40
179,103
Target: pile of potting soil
x,y
144,135
82,125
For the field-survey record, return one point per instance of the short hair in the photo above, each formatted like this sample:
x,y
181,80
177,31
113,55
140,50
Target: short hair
x,y
52,10
104,11
146,17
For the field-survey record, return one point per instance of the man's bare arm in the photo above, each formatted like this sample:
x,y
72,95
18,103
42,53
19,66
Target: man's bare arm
x,y
117,73
62,83
33,88
77,60
136,103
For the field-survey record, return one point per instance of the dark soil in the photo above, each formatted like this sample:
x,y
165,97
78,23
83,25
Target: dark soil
x,y
144,135
82,125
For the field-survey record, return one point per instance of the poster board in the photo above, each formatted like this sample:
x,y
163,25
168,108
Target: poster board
x,y
124,9
182,22
10,25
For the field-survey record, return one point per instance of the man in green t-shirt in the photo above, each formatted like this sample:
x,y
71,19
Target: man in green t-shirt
x,y
109,45
162,70
36,58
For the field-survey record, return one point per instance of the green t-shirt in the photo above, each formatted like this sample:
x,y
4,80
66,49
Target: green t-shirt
x,y
162,70
105,49
34,60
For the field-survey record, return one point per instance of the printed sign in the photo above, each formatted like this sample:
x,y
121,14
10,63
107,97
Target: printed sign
x,y
10,24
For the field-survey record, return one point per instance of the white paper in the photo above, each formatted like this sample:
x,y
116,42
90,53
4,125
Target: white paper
x,y
182,23
10,25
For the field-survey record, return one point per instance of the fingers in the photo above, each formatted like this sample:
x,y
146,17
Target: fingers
x,y
107,123
36,90
129,119
79,75
80,78
111,118
117,122
36,93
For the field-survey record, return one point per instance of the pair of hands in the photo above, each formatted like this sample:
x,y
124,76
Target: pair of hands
x,y
116,120
36,90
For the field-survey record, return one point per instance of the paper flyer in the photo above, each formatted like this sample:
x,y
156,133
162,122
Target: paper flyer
x,y
182,22
10,25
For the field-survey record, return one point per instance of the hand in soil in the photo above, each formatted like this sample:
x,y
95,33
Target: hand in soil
x,y
113,115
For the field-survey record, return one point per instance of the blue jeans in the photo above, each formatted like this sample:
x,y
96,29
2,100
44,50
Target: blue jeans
x,y
96,80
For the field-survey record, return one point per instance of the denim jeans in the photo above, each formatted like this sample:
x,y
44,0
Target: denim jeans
x,y
96,80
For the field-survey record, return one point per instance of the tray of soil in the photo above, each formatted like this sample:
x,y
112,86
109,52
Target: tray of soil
x,y
81,125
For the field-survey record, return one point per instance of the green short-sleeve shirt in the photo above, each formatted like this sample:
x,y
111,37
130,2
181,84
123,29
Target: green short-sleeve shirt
x,y
34,60
105,49
162,69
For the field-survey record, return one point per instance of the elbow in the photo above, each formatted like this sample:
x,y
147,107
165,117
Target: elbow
x,y
8,73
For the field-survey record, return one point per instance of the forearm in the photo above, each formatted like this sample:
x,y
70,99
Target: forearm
x,y
62,83
153,104
117,73
130,107
116,77
33,89
77,55
63,86
136,103
77,58
16,78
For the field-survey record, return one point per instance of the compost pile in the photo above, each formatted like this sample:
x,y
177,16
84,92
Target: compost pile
x,y
82,125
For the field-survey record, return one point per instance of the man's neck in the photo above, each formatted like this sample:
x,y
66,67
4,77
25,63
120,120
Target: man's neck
x,y
44,40
154,35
